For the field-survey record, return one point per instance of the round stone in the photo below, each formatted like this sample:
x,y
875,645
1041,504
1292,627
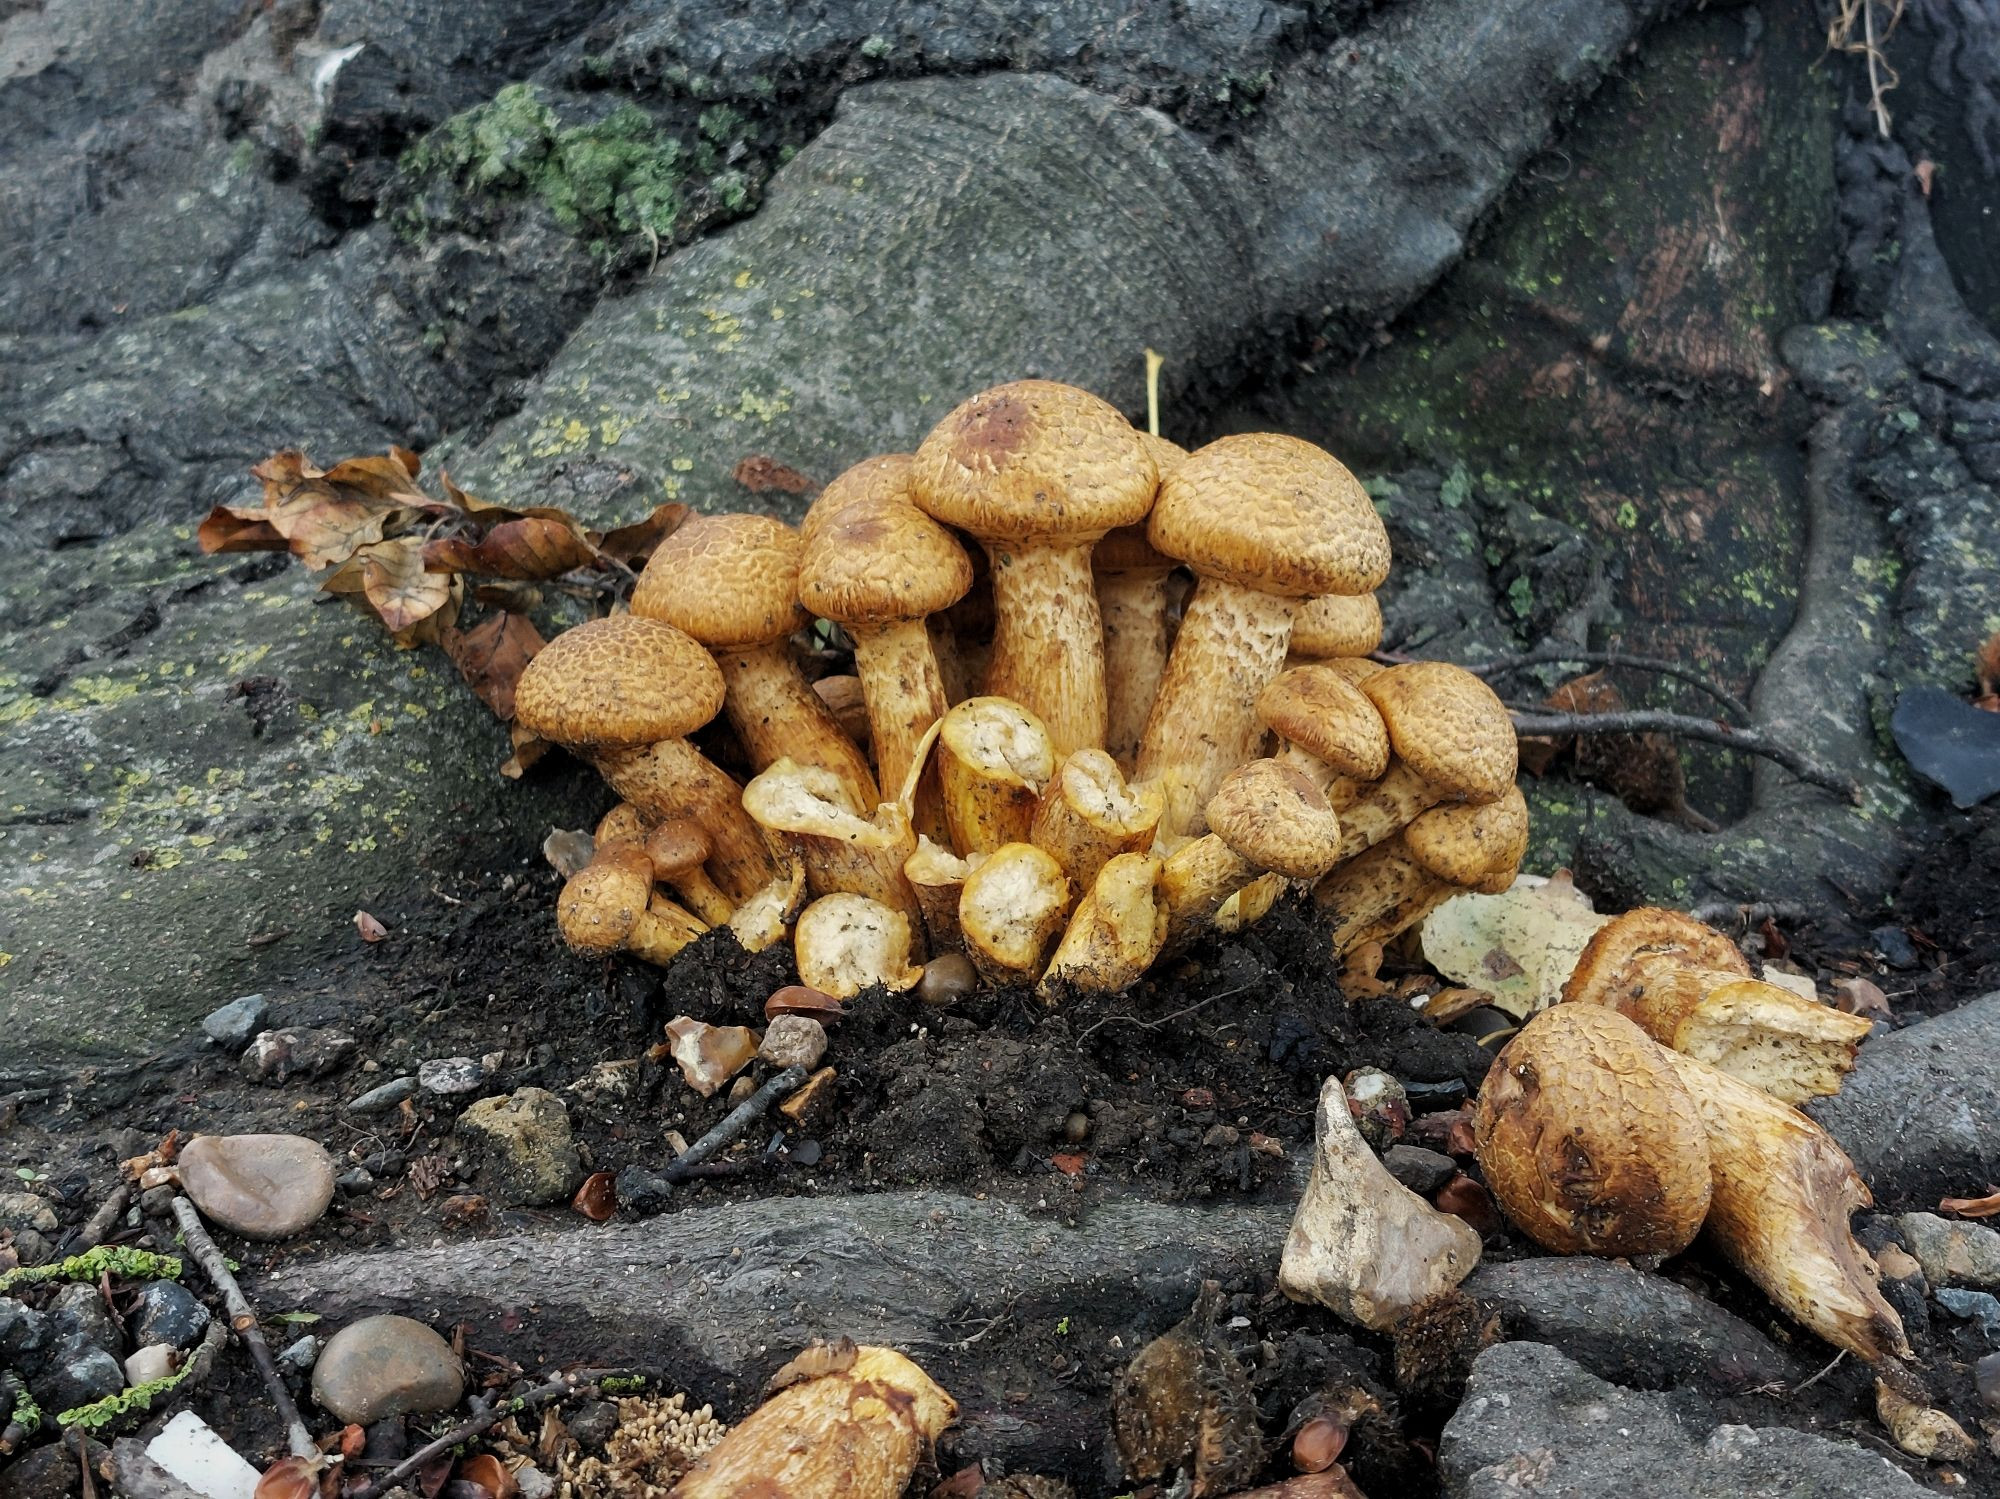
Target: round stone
x,y
259,1186
386,1366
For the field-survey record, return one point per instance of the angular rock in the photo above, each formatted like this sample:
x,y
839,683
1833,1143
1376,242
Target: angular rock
x,y
1622,1325
521,1145
44,1472
1534,1425
710,1055
1422,1171
381,1099
77,1315
1978,1307
25,1336
232,1025
1950,743
32,1247
1953,1254
259,1186
298,1356
1920,1113
189,1449
793,1041
168,1312
386,1366
297,1051
449,1077
25,1210
77,1374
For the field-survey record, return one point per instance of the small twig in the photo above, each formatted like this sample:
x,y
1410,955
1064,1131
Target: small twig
x,y
485,1413
97,1228
1709,730
243,1322
735,1123
1560,655
1716,913
1815,1379
1152,1025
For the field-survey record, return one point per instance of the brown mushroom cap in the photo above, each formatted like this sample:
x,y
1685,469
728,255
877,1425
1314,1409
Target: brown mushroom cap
x,y
1271,513
599,908
1336,624
730,581
1357,669
677,846
1126,550
873,557
1328,717
1468,844
1034,460
1608,970
1448,727
1275,819
618,683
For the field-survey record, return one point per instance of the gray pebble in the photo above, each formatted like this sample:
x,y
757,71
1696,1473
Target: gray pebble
x,y
448,1077
168,1312
1422,1171
387,1096
232,1026
298,1358
1973,1306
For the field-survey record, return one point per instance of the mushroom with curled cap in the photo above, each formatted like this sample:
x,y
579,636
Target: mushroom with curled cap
x,y
732,583
1442,853
936,877
876,564
1453,741
1114,934
1264,521
1132,601
1037,472
1264,818
1336,625
800,807
1327,728
610,907
1088,815
845,943
623,693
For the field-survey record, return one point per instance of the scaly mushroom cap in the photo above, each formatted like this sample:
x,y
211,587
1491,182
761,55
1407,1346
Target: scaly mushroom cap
x,y
1357,669
601,905
618,683
872,556
1034,461
730,581
1275,819
1328,717
1471,844
624,822
1337,625
1274,514
1606,970
1590,1140
1448,727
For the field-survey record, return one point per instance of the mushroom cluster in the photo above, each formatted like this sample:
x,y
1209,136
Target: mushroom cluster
x,y
1106,695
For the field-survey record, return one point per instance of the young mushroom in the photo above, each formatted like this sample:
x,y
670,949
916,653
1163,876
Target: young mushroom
x,y
800,806
623,693
1010,909
679,847
1037,472
1264,521
732,583
1087,816
1326,728
993,758
1264,818
1336,625
1115,933
1443,852
845,943
1362,1244
610,907
1132,601
879,566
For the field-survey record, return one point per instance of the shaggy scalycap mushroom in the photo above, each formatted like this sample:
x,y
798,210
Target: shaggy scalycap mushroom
x,y
1329,729
1337,625
732,582
1264,818
1132,600
1264,521
1402,879
1037,472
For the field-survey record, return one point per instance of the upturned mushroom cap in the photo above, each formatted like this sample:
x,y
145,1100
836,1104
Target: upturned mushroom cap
x,y
1034,460
618,683
1337,624
1276,820
1469,844
1608,970
871,556
1274,514
1328,717
730,581
1448,727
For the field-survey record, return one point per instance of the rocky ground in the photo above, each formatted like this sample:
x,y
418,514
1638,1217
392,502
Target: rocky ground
x,y
1641,336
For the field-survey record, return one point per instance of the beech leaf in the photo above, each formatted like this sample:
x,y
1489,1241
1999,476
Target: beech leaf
x,y
1973,1207
238,528
492,655
395,584
631,544
760,474
531,548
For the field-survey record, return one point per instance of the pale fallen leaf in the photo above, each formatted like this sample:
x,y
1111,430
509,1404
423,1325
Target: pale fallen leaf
x,y
1859,996
371,930
1518,947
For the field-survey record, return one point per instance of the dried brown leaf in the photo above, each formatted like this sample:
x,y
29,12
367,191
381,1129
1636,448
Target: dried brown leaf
x,y
371,930
428,1173
492,655
238,528
1989,674
1859,996
487,1471
396,586
531,548
1974,1207
326,515
634,543
489,512
761,474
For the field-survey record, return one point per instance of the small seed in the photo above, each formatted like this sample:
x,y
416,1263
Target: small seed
x,y
797,999
1076,1128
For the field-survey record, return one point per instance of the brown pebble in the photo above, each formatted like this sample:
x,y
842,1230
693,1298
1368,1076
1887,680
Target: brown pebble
x,y
1318,1445
947,979
807,1106
1076,1128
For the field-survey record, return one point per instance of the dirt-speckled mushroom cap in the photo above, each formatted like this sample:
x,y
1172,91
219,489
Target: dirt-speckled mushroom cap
x,y
1448,727
730,581
872,557
1590,1140
1328,717
1607,971
678,845
1034,460
1276,819
618,683
1337,624
1468,844
1273,513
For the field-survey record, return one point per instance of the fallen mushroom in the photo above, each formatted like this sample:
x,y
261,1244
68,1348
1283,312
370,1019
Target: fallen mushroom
x,y
1362,1244
1688,987
1132,601
1087,816
878,565
610,907
1443,852
1010,910
936,877
1115,933
1264,817
623,693
857,1432
1336,625
800,806
1037,472
1590,1140
679,847
1264,521
993,759
732,583
1780,1209
845,943
1920,1429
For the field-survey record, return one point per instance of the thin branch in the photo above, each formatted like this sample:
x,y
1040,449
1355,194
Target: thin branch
x,y
100,1223
1560,655
736,1123
1709,730
243,1322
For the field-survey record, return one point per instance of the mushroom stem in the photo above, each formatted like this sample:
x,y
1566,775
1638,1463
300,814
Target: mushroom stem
x,y
1369,895
1088,815
799,805
993,758
1011,908
1204,721
1048,639
778,716
1380,809
1196,879
905,693
936,877
1114,934
763,920
1251,904
1133,606
672,779
845,943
